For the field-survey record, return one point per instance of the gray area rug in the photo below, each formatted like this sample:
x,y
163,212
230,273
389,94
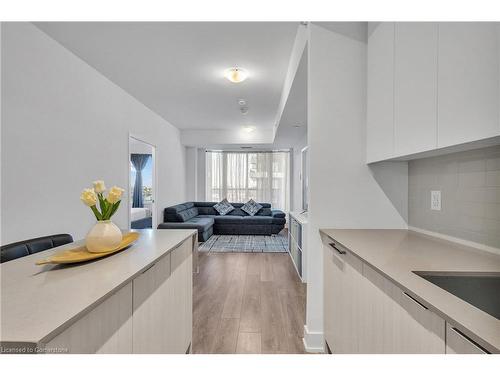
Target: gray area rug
x,y
245,244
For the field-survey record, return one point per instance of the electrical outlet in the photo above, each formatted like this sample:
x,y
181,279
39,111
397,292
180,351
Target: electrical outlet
x,y
436,200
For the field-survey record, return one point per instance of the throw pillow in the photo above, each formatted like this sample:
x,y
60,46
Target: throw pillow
x,y
251,207
223,207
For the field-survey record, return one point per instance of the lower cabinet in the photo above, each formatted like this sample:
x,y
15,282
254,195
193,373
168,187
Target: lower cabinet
x,y
342,300
162,316
367,313
150,314
396,322
458,343
107,328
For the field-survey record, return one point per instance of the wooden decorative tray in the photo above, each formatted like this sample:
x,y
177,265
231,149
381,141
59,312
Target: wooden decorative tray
x,y
81,254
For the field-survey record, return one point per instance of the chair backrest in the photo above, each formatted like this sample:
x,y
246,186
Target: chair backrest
x,y
34,245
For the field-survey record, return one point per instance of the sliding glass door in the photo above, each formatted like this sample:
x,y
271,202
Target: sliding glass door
x,y
240,176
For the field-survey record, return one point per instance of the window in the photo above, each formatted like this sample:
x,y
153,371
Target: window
x,y
240,176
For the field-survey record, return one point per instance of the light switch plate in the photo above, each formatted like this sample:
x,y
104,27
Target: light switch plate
x,y
436,200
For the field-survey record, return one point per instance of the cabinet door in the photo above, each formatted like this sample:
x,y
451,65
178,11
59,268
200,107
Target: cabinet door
x,y
152,301
394,322
415,87
106,329
459,343
380,93
468,98
342,300
181,306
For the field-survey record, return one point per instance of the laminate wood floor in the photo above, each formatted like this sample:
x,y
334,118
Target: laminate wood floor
x,y
248,303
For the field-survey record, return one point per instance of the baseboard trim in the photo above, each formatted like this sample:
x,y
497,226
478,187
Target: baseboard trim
x,y
460,241
313,341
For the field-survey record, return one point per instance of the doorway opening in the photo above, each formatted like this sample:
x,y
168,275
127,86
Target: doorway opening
x,y
142,189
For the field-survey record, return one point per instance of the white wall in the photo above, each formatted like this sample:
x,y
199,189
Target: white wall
x,y
296,177
202,176
343,190
237,136
191,173
63,126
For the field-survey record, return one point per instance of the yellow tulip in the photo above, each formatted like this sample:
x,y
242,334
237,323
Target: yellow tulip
x,y
115,194
99,186
89,197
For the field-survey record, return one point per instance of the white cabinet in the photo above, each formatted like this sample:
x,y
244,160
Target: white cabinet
x,y
181,307
431,86
106,329
162,318
395,322
297,242
380,93
367,313
342,290
150,314
468,99
415,87
459,343
152,298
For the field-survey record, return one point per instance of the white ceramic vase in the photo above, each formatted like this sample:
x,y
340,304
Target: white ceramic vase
x,y
103,237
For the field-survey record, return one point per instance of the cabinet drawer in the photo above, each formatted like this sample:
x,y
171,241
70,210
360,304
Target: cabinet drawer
x,y
459,343
106,329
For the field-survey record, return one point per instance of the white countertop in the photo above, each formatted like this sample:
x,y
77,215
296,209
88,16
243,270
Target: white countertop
x,y
301,217
396,253
38,302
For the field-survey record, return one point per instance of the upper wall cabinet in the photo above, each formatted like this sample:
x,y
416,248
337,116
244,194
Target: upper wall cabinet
x,y
415,87
431,86
468,99
380,104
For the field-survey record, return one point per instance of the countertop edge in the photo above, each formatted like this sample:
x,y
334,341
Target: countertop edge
x,y
447,317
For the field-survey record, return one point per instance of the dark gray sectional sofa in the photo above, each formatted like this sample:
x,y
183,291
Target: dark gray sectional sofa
x,y
203,217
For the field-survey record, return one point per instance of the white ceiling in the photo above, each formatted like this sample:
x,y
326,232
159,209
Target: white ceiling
x,y
176,68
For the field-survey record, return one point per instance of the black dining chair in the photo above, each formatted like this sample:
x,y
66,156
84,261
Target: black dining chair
x,y
34,245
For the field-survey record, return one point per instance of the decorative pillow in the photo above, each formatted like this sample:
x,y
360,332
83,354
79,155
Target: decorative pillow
x,y
251,207
223,207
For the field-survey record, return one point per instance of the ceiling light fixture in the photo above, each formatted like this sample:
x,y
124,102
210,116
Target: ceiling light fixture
x,y
236,75
249,128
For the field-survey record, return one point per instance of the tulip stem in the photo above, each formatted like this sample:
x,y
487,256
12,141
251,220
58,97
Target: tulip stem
x,y
96,212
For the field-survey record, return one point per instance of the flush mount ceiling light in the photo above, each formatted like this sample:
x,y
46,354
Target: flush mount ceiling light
x,y
236,75
248,128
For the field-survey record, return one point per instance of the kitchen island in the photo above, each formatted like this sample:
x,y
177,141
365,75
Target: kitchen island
x,y
138,300
376,300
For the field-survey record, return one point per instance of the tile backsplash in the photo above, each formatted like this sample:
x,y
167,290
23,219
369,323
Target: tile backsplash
x,y
469,182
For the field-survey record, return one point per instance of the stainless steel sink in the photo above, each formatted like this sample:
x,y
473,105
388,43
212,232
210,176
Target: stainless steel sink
x,y
481,289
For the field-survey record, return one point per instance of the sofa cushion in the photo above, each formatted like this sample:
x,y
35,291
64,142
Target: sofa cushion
x,y
279,220
223,207
180,212
204,210
252,220
265,211
278,213
228,219
202,224
237,212
251,207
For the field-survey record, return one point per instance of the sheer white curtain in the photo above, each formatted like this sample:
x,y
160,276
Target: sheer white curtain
x,y
240,176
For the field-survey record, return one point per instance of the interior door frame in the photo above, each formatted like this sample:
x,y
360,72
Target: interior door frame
x,y
154,212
